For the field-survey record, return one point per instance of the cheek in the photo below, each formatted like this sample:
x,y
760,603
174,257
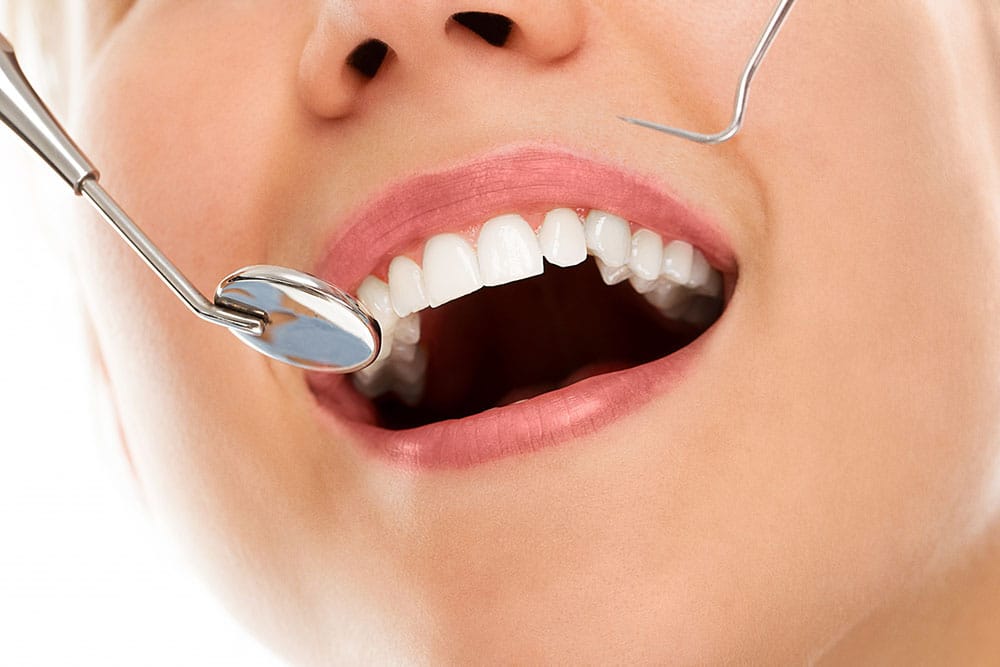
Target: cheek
x,y
871,290
181,151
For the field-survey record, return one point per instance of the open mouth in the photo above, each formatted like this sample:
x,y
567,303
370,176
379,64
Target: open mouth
x,y
541,323
580,294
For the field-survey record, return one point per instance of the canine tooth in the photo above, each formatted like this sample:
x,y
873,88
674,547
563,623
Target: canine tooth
x,y
608,237
666,295
700,270
562,239
713,286
508,250
646,258
374,294
451,269
406,286
678,258
408,330
612,275
641,285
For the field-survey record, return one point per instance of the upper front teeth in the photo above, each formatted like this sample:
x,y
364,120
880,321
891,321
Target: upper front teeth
x,y
562,239
508,251
676,279
451,269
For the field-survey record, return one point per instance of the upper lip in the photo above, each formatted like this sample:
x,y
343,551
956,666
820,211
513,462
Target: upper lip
x,y
523,178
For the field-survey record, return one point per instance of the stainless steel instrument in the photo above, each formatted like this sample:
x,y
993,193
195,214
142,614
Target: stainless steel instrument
x,y
285,314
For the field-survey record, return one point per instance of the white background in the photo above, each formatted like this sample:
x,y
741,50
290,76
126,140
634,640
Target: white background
x,y
85,579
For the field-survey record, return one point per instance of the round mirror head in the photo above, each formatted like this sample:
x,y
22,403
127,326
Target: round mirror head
x,y
310,324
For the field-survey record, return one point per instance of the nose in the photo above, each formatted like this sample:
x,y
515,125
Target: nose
x,y
355,41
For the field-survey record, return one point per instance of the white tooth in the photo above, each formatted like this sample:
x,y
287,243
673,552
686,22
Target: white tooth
x,y
373,381
508,250
700,270
404,351
451,269
406,286
608,237
641,285
678,257
667,294
677,310
612,275
412,370
374,295
646,258
713,286
408,330
562,239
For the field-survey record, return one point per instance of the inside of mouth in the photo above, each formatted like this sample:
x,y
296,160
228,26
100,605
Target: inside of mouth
x,y
517,341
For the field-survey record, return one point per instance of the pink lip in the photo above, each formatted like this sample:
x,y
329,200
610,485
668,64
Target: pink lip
x,y
522,179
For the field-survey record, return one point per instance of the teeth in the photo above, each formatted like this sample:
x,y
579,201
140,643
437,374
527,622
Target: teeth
x,y
678,257
410,377
713,287
404,351
562,239
408,330
641,285
451,269
612,275
646,258
667,295
374,295
373,381
676,279
609,238
700,271
508,250
406,286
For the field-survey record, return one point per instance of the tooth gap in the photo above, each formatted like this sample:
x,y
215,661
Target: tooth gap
x,y
495,29
367,57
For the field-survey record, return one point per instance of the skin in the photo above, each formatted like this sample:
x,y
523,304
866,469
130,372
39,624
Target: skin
x,y
822,488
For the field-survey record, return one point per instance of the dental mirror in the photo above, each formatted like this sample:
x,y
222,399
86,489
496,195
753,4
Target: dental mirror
x,y
285,314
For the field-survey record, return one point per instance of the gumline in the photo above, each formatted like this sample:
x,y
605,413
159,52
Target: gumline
x,y
534,219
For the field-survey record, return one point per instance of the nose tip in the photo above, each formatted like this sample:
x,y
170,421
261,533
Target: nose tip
x,y
350,47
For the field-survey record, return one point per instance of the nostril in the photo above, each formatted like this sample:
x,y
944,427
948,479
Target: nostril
x,y
493,28
368,57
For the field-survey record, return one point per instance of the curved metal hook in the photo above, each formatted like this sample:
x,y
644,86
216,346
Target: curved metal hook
x,y
770,32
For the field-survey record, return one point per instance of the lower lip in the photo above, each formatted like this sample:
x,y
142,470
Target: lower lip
x,y
578,411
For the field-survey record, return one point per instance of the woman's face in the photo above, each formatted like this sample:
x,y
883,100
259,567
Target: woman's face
x,y
829,442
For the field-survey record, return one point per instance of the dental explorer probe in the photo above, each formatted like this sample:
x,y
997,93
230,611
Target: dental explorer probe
x,y
742,91
285,314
